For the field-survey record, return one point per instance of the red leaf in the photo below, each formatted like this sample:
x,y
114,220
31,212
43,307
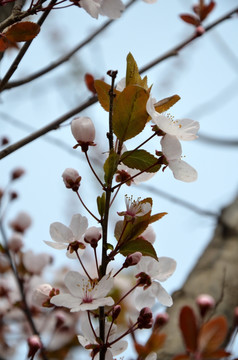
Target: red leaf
x,y
188,326
212,334
218,354
22,31
89,81
181,357
190,19
4,43
206,10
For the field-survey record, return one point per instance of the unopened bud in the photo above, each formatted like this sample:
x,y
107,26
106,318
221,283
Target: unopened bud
x,y
83,131
92,236
205,302
60,319
13,195
17,173
160,321
21,222
41,294
4,141
143,280
132,259
15,242
200,30
145,319
71,179
116,311
34,344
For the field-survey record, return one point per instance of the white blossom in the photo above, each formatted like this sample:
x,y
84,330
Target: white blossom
x,y
84,294
172,151
109,8
159,271
83,130
35,263
184,129
63,235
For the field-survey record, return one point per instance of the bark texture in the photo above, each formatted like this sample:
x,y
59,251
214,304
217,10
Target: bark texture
x,y
216,273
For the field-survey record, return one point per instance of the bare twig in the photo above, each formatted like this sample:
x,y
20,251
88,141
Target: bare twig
x,y
64,58
24,49
53,125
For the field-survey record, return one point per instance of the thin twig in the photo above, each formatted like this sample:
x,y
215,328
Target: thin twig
x,y
23,50
25,307
53,125
64,58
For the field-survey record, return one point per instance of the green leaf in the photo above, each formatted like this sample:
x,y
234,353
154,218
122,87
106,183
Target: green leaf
x,y
110,166
102,90
110,246
101,201
132,73
141,160
130,115
141,245
166,104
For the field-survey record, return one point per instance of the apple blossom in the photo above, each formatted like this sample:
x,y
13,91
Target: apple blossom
x,y
84,294
63,235
83,131
158,271
184,129
172,151
88,338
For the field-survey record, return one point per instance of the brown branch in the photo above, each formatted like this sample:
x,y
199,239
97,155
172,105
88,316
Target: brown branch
x,y
64,58
18,15
24,49
55,124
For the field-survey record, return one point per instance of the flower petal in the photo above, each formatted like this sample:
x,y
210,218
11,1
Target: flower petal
x,y
171,147
66,300
183,171
166,268
78,225
144,298
161,294
112,8
76,283
60,233
56,245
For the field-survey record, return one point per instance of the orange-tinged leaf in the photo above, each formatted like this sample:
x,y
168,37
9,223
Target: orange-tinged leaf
x,y
22,31
156,341
4,43
89,81
132,73
102,90
157,217
167,103
218,354
188,325
206,10
212,334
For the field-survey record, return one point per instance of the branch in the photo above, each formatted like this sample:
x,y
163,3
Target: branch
x,y
218,141
18,16
24,49
62,59
55,124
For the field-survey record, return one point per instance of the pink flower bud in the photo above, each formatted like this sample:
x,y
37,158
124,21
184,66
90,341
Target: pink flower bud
x,y
41,294
15,242
4,141
160,321
21,222
34,344
84,132
200,30
116,311
92,236
17,173
205,302
145,319
132,259
71,179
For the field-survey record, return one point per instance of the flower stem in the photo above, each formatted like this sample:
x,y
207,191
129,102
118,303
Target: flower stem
x,y
87,207
91,167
